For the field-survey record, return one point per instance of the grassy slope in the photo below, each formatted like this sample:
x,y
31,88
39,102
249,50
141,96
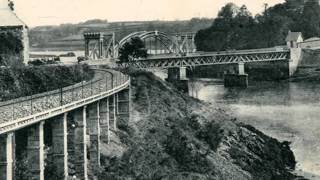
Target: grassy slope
x,y
173,136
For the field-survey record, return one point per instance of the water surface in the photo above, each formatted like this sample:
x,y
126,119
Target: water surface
x,y
283,110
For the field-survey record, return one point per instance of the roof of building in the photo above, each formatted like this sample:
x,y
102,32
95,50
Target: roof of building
x,y
293,36
8,17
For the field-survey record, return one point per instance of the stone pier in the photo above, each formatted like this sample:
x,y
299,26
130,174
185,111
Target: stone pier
x,y
177,73
35,152
104,113
101,45
86,48
123,104
93,118
59,146
80,145
113,111
178,77
237,78
7,147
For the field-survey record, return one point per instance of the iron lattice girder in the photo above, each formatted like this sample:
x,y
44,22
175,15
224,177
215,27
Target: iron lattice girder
x,y
96,35
200,60
99,44
169,41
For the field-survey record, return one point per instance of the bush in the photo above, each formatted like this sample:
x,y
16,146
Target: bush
x,y
133,49
10,41
25,81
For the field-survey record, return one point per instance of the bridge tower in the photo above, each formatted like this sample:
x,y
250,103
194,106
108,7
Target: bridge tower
x,y
99,45
294,40
185,42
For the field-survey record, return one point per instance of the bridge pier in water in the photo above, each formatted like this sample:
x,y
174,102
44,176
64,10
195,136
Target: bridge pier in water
x,y
238,78
235,78
178,77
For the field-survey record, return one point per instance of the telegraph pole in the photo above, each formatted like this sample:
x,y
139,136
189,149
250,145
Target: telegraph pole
x,y
265,8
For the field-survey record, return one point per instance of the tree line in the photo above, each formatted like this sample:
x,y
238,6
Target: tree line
x,y
236,28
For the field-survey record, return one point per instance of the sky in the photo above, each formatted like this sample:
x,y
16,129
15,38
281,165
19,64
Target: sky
x,y
54,12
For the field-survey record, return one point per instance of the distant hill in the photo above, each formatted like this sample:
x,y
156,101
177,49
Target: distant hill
x,y
71,35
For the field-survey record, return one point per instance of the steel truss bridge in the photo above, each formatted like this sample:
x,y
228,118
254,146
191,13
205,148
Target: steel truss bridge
x,y
201,59
100,45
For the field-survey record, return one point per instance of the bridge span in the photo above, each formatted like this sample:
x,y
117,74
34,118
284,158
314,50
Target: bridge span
x,y
210,58
180,57
281,60
85,109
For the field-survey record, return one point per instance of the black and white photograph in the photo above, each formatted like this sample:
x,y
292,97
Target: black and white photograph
x,y
159,89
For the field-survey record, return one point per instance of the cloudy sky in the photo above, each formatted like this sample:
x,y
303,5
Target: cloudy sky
x,y
53,12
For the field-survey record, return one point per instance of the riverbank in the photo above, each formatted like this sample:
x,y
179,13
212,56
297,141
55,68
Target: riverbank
x,y
173,136
285,110
307,73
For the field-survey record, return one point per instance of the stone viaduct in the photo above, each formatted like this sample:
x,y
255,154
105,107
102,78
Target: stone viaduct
x,y
77,116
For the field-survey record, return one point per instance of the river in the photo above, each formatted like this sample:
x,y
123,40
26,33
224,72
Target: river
x,y
283,110
286,111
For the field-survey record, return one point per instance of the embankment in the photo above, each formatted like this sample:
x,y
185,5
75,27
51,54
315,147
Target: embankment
x,y
173,136
309,69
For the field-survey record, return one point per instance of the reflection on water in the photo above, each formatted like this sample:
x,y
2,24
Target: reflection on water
x,y
286,111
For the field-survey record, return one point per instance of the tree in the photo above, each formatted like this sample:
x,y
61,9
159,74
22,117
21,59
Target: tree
x,y
229,11
293,4
11,5
231,30
310,20
11,48
133,49
10,41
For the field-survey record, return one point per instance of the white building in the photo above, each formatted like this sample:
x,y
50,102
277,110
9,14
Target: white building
x,y
10,21
294,39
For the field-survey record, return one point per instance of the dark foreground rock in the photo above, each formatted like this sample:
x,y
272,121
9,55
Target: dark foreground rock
x,y
171,136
